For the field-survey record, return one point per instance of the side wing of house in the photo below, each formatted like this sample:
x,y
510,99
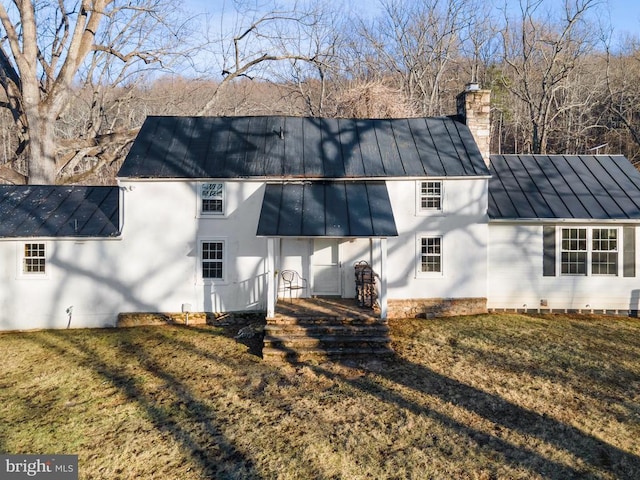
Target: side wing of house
x,y
563,233
58,257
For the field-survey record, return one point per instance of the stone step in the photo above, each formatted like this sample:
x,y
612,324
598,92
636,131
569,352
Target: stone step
x,y
326,329
313,354
308,335
325,342
320,320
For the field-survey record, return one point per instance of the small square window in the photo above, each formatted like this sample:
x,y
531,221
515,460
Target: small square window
x,y
34,259
212,198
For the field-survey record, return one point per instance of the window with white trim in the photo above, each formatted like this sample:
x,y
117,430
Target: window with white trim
x,y
212,260
604,251
573,255
430,255
430,196
34,259
212,198
589,251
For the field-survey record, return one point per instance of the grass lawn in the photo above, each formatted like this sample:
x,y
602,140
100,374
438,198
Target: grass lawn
x,y
480,397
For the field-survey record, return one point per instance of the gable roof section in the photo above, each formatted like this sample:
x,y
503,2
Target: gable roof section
x,y
58,211
327,209
598,187
297,147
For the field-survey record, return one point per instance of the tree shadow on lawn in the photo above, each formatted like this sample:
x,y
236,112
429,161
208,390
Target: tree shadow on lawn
x,y
212,453
599,457
204,443
616,383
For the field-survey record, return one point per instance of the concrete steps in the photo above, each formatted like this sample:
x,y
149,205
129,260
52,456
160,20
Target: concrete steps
x,y
318,338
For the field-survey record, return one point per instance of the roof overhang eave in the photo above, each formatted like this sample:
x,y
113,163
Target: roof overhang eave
x,y
346,237
288,179
116,237
562,220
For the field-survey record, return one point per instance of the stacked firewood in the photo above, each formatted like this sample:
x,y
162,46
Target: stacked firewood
x,y
366,294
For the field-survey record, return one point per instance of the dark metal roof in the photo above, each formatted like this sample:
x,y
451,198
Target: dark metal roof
x,y
327,209
58,211
296,147
563,186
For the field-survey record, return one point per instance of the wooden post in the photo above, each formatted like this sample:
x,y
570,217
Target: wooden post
x,y
383,278
271,277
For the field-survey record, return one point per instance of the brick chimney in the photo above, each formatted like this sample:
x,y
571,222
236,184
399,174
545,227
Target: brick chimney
x,y
474,108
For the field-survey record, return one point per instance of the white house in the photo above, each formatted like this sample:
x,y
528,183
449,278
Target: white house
x,y
247,197
209,210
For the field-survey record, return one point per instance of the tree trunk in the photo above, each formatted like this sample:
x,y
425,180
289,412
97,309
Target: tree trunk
x,y
41,158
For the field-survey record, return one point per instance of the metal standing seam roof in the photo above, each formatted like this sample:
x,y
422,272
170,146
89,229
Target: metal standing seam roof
x,y
599,187
59,211
299,147
327,209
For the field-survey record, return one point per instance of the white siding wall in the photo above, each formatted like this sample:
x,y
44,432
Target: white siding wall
x,y
463,227
80,275
152,268
161,240
516,280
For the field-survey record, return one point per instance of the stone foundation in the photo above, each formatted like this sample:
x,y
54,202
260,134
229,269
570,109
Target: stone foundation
x,y
436,307
579,311
135,319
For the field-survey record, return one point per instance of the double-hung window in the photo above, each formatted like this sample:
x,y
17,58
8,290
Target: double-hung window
x,y
585,251
34,259
430,258
604,251
574,251
212,258
212,201
430,196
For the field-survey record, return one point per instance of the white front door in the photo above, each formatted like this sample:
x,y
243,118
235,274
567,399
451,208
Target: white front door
x,y
325,265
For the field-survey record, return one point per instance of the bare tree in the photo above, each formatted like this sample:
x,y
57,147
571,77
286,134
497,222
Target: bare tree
x,y
50,49
539,55
417,41
254,41
621,98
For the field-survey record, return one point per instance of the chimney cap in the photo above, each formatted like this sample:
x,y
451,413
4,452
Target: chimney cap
x,y
472,87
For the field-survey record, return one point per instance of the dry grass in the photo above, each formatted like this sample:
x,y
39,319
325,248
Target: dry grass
x,y
482,397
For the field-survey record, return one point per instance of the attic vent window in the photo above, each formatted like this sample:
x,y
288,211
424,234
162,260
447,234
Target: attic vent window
x,y
212,198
